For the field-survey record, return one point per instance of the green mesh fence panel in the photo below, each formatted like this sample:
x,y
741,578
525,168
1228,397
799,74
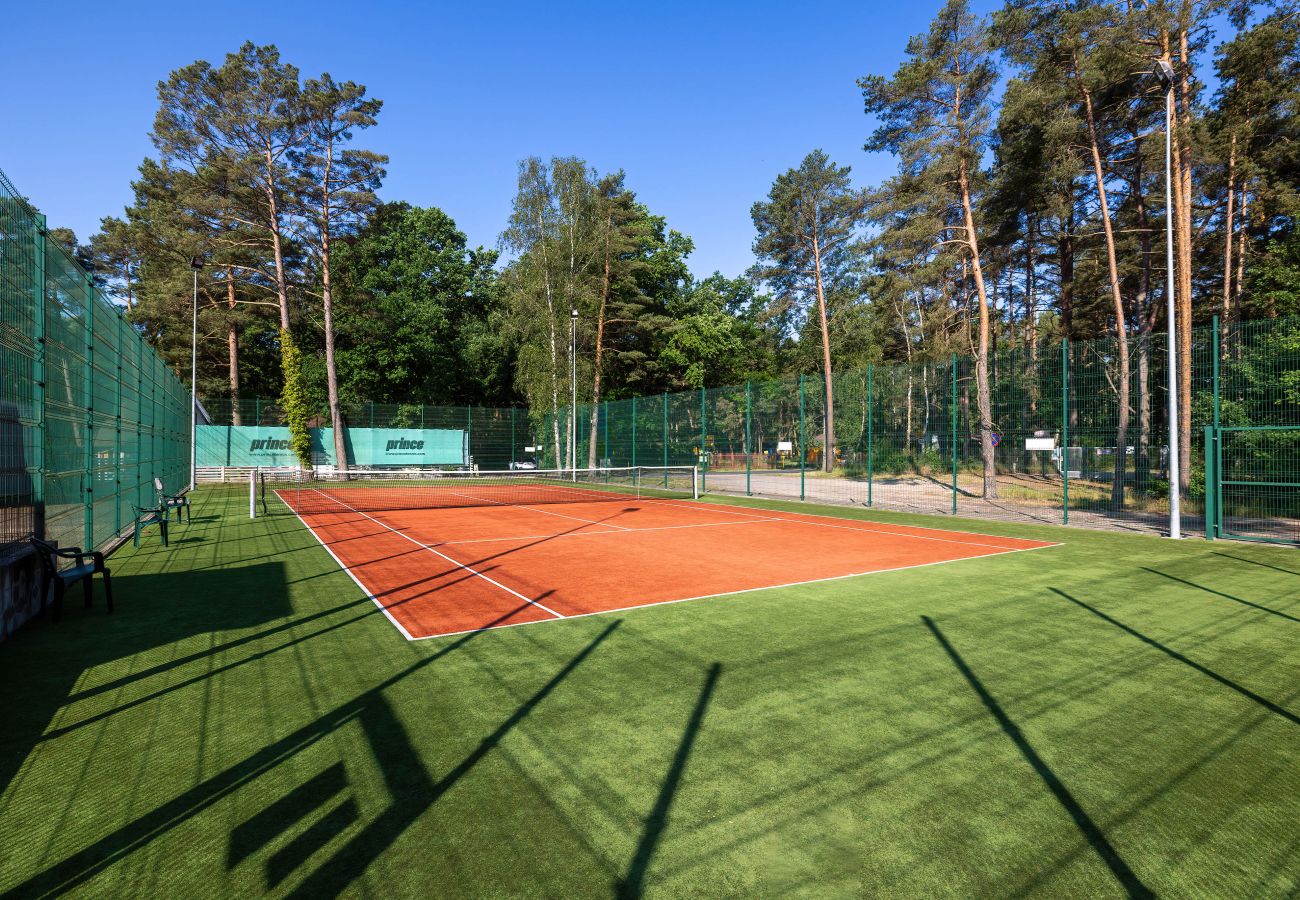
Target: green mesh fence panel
x,y
89,415
907,436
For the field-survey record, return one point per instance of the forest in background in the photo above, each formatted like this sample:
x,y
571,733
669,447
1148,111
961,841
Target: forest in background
x,y
1028,206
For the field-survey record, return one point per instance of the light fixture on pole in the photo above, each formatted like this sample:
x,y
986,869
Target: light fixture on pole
x,y
573,383
196,263
1164,73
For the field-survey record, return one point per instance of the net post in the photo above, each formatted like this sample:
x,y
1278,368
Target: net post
x,y
695,483
1065,431
802,440
749,447
953,403
870,446
252,492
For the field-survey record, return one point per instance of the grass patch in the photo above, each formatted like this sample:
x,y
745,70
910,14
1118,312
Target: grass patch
x,y
1117,714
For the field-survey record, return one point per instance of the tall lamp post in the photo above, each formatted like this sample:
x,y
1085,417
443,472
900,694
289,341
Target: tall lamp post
x,y
573,383
196,263
1164,73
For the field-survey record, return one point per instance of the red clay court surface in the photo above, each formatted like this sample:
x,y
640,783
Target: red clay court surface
x,y
438,572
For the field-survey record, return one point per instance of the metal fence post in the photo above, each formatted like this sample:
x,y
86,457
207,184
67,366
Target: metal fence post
x,y
88,454
870,447
117,432
749,446
634,432
704,450
512,433
802,439
1217,350
665,439
38,373
953,404
1065,431
608,460
1211,480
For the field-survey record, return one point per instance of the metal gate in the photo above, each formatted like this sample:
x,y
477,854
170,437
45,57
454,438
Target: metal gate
x,y
1252,483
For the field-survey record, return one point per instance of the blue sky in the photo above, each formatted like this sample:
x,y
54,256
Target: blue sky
x,y
701,104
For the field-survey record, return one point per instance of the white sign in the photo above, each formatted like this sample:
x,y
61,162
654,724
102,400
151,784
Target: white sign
x,y
785,446
1040,443
530,449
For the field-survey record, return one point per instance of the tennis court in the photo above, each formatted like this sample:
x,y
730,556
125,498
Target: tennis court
x,y
455,552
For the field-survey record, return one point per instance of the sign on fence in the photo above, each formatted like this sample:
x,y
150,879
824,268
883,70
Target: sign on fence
x,y
252,445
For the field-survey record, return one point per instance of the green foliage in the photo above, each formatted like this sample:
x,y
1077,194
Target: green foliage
x,y
293,399
417,314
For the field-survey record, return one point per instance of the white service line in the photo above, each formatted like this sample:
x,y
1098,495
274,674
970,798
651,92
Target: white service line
x,y
919,537
578,534
535,509
456,563
365,590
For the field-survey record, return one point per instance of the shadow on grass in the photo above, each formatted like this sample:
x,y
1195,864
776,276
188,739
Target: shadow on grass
x,y
1091,831
46,661
1199,587
1255,562
633,883
407,782
1174,654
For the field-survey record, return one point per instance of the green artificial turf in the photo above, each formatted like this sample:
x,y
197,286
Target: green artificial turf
x,y
1116,715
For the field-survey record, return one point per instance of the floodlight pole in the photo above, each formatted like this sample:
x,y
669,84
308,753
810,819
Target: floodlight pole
x,y
1164,73
196,263
573,384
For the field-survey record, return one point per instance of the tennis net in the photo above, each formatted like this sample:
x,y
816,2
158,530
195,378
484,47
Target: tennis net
x,y
375,491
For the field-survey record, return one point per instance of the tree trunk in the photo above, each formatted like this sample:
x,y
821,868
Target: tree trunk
x,y
232,349
1112,269
1240,284
828,452
983,398
327,302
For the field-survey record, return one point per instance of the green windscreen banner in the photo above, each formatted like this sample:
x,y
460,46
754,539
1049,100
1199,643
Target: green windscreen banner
x,y
253,445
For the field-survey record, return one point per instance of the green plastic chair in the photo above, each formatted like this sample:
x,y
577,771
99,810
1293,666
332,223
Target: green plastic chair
x,y
146,516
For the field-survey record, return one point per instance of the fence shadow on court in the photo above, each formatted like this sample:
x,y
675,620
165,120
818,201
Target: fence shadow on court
x,y
633,882
43,663
412,789
1187,661
1090,830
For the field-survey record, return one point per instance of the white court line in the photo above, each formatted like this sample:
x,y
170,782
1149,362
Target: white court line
x,y
535,509
365,590
753,590
459,565
919,537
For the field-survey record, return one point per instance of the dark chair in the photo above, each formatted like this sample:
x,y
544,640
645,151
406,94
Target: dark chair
x,y
145,516
168,502
60,579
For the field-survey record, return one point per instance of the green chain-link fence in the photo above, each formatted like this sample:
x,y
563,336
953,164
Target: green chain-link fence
x,y
89,414
907,436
